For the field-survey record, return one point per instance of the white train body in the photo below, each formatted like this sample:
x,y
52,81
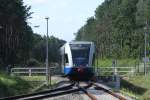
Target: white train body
x,y
77,59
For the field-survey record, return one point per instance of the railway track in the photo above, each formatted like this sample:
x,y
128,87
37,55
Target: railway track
x,y
64,90
37,94
98,91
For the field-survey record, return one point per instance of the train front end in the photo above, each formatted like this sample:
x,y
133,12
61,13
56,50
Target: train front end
x,y
82,60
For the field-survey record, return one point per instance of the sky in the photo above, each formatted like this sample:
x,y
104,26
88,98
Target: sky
x,y
66,16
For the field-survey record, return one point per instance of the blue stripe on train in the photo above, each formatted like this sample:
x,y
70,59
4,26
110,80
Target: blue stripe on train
x,y
67,70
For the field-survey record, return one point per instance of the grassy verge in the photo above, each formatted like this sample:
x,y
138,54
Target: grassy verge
x,y
40,80
125,66
33,78
120,62
11,85
138,86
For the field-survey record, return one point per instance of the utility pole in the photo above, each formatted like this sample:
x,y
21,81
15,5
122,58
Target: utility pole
x,y
145,40
46,60
146,59
1,27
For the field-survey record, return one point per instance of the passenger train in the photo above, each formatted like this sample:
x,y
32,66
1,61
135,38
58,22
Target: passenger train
x,y
77,58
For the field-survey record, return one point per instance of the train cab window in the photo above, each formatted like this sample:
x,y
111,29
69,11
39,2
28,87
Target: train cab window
x,y
80,54
66,58
80,57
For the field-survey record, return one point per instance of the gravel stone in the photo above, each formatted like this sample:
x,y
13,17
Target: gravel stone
x,y
75,96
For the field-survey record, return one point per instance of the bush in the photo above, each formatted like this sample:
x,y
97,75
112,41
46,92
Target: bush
x,y
10,86
1,64
33,62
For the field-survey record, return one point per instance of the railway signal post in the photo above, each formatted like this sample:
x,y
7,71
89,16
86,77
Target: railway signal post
x,y
145,51
46,60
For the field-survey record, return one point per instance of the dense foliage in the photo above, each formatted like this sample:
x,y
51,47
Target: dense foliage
x,y
39,48
18,44
118,28
15,33
10,86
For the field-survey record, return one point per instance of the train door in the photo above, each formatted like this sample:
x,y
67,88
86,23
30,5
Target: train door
x,y
62,59
66,62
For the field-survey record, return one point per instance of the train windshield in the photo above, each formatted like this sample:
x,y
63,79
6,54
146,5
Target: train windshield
x,y
80,54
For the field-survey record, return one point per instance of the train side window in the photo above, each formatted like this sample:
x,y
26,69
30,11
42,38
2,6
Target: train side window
x,y
66,58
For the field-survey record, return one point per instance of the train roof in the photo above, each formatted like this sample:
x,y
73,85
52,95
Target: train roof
x,y
75,42
80,42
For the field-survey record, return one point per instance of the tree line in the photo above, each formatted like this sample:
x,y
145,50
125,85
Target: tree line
x,y
118,28
38,51
17,42
14,31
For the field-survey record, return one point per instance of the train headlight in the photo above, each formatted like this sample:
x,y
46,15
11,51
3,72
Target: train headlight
x,y
80,70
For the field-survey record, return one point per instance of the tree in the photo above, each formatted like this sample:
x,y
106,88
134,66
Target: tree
x,y
39,48
117,28
15,34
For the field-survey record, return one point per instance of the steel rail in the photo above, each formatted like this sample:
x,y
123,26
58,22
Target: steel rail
x,y
37,93
110,92
57,93
52,95
63,91
87,93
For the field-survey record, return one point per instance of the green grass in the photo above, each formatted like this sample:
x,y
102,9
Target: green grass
x,y
104,63
34,78
138,86
37,80
128,93
130,63
11,85
120,62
